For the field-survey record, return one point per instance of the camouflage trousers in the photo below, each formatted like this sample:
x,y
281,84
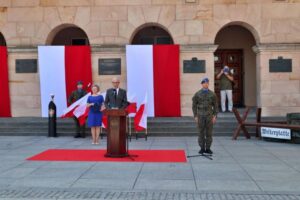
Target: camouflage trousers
x,y
205,127
80,130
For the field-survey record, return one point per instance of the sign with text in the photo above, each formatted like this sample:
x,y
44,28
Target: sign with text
x,y
279,133
26,66
109,66
280,65
194,66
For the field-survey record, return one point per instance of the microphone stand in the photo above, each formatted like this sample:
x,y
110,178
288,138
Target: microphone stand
x,y
127,141
208,156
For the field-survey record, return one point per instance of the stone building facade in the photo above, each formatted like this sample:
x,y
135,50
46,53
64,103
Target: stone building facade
x,y
205,29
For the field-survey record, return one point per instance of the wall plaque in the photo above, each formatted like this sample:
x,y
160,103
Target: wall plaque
x,y
26,65
194,66
109,66
280,65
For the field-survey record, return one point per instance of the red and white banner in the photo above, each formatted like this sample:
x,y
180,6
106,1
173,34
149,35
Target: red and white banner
x,y
132,106
60,68
154,70
4,84
80,110
140,118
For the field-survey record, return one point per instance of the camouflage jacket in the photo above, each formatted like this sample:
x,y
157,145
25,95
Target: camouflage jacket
x,y
75,95
205,103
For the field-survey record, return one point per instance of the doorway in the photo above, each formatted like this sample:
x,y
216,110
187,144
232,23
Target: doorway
x,y
233,58
235,44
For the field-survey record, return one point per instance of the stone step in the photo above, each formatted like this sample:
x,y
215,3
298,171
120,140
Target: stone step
x,y
151,120
168,133
160,126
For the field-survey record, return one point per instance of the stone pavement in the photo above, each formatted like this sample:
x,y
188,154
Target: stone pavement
x,y
242,169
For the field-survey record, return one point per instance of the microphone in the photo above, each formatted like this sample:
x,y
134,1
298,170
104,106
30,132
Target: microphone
x,y
115,93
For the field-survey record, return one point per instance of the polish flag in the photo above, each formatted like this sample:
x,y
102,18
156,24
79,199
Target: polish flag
x,y
140,118
79,109
69,111
81,112
132,106
154,70
104,121
60,68
104,117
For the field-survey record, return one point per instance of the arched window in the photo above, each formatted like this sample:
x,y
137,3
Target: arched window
x,y
152,35
68,35
2,40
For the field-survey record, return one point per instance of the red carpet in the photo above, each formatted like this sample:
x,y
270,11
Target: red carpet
x,y
98,155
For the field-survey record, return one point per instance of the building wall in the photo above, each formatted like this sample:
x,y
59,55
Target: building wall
x,y
24,88
28,23
278,92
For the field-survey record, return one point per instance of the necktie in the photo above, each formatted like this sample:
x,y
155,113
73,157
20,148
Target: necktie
x,y
115,92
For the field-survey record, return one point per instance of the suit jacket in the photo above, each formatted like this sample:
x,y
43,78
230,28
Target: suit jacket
x,y
112,101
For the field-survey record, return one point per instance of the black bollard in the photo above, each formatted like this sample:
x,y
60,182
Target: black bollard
x,y
52,118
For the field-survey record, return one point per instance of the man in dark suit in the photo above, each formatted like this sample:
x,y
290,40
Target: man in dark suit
x,y
116,97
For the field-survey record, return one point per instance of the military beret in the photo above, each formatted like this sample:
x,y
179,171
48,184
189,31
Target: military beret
x,y
79,83
204,80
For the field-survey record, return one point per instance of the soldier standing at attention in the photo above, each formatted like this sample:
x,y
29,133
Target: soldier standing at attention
x,y
205,109
75,95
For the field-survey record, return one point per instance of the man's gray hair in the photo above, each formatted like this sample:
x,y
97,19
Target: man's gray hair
x,y
116,79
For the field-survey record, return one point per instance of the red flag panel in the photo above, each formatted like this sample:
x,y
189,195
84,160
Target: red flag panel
x,y
5,110
138,117
166,80
78,67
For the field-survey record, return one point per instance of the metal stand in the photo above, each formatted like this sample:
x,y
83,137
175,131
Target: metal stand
x,y
146,134
208,156
136,133
129,128
127,141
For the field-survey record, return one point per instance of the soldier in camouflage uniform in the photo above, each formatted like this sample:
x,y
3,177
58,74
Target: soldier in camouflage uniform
x,y
205,111
75,95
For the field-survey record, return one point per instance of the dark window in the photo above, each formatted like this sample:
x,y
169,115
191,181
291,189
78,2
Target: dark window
x,y
79,42
152,35
2,40
70,36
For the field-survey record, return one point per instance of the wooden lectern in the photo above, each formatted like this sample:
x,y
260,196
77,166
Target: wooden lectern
x,y
116,133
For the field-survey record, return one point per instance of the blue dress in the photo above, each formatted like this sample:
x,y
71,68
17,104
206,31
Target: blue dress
x,y
95,115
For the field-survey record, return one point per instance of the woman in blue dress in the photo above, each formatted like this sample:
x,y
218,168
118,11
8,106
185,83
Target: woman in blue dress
x,y
95,103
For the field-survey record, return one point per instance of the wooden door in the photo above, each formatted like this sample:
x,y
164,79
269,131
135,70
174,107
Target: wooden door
x,y
234,59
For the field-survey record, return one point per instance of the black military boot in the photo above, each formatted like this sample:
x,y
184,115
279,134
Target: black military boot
x,y
82,131
208,151
201,151
77,130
